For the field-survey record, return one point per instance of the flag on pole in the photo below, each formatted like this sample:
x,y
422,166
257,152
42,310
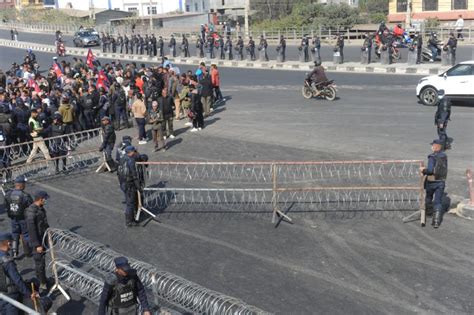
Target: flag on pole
x,y
90,59
102,80
32,84
57,70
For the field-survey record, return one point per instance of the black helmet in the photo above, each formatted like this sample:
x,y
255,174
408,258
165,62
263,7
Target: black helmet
x,y
441,92
317,63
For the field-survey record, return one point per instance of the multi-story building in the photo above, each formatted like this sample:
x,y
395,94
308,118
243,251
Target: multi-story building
x,y
28,3
142,7
444,10
352,3
6,4
232,8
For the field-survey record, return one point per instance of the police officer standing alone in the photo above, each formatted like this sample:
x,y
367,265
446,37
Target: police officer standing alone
x,y
130,181
11,283
109,141
122,291
442,116
37,223
16,201
452,45
436,174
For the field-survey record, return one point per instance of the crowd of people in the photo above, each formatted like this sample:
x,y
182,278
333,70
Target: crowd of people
x,y
74,95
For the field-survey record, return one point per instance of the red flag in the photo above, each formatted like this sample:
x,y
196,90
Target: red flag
x,y
32,84
56,69
102,80
90,59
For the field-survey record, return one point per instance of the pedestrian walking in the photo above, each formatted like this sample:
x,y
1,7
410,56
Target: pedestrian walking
x,y
435,181
139,113
459,27
36,129
167,107
156,120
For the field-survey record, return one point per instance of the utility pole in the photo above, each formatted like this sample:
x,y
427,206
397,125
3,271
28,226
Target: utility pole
x,y
151,16
408,15
246,14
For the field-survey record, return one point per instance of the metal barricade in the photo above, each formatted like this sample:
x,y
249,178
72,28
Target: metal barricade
x,y
277,187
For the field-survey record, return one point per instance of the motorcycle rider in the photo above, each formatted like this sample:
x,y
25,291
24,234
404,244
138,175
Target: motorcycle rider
x,y
317,76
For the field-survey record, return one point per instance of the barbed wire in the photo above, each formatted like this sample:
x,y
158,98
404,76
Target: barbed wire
x,y
80,282
68,142
45,168
288,173
265,200
173,289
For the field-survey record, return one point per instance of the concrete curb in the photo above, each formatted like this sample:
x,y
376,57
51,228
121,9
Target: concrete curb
x,y
350,67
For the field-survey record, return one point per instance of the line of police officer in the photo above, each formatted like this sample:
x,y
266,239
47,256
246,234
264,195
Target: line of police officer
x,y
28,220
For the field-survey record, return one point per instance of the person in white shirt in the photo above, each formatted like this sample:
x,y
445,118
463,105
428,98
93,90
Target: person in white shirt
x,y
459,26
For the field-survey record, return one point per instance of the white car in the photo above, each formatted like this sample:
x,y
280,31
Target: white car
x,y
457,83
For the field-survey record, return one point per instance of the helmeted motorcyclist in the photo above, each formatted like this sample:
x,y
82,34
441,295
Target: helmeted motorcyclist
x,y
317,76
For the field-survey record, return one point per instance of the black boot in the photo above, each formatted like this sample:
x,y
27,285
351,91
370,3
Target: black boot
x,y
436,219
15,248
129,221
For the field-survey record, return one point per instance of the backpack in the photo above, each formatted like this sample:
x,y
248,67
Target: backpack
x,y
440,171
122,99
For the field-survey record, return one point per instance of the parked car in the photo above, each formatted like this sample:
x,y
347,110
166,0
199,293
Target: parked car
x,y
86,37
457,83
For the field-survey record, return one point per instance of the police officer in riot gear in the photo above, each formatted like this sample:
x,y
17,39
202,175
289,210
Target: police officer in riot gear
x,y
442,116
11,282
263,45
281,48
185,46
130,182
251,48
436,174
37,223
172,46
16,201
123,291
240,48
304,47
161,45
109,141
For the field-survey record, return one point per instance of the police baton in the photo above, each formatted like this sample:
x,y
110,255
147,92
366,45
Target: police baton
x,y
34,298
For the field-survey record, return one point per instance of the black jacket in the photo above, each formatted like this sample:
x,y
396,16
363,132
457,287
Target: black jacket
x,y
109,136
206,85
37,224
166,106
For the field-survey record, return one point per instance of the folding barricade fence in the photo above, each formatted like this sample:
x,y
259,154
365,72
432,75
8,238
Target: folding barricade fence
x,y
281,188
79,150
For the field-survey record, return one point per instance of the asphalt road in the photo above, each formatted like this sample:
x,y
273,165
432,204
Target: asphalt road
x,y
351,52
368,263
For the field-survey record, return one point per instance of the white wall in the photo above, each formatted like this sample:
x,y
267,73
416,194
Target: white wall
x,y
83,4
161,6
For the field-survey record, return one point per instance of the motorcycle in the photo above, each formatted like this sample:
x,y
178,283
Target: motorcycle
x,y
396,54
326,89
428,55
61,50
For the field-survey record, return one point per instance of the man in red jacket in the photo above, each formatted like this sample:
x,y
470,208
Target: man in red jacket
x,y
215,79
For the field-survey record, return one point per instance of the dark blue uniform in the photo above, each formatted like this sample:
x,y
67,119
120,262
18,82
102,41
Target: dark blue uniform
x,y
108,143
120,295
16,201
11,284
436,174
130,185
442,116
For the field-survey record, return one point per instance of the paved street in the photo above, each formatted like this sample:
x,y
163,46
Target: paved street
x,y
351,52
369,263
